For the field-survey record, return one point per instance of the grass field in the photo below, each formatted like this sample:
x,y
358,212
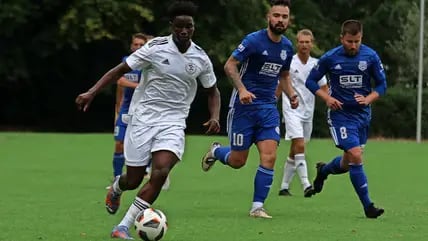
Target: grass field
x,y
52,188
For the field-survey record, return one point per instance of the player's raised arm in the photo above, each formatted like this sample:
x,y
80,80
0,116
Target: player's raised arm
x,y
84,100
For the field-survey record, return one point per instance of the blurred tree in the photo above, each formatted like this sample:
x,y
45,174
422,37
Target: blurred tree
x,y
405,48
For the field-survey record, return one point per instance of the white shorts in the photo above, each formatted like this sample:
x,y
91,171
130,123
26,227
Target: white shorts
x,y
141,141
295,127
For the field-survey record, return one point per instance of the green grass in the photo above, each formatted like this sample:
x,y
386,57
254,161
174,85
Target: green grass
x,y
52,189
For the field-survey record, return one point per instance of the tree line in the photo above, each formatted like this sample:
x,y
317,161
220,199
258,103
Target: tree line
x,y
52,50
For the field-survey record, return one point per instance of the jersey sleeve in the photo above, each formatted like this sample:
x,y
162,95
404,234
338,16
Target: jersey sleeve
x,y
244,50
207,76
141,58
286,66
317,72
378,74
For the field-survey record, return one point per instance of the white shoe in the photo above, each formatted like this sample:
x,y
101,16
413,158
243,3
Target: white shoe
x,y
208,160
259,213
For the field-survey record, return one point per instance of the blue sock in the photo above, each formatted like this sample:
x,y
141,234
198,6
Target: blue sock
x,y
262,184
222,154
333,167
359,181
118,162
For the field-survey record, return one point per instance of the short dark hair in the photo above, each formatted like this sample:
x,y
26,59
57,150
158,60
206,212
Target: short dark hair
x,y
351,27
182,7
280,2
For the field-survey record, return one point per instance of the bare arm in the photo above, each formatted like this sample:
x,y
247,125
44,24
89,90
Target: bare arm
x,y
214,103
124,82
286,87
231,70
84,100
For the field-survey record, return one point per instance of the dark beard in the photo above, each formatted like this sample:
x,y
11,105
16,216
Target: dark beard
x,y
275,30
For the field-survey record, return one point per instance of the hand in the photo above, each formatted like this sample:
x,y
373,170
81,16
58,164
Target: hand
x,y
361,99
333,103
83,101
213,126
245,96
294,101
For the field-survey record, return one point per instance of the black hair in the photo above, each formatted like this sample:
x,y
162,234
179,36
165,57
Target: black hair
x,y
280,2
183,7
352,27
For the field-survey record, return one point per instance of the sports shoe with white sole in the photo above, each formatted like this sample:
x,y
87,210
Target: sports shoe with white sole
x,y
259,213
121,232
208,160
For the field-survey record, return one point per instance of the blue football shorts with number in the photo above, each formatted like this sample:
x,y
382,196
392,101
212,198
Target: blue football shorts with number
x,y
252,124
120,127
349,129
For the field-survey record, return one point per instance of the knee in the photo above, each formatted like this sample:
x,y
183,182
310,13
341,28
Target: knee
x,y
237,163
268,160
132,184
355,156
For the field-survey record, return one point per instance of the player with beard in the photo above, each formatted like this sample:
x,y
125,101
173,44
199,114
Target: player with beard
x,y
264,57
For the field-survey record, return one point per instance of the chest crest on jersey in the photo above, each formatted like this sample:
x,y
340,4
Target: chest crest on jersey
x,y
283,54
362,65
190,68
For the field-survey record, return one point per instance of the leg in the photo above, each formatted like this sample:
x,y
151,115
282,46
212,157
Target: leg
x,y
240,139
232,158
264,176
298,145
118,157
163,162
128,181
289,170
359,181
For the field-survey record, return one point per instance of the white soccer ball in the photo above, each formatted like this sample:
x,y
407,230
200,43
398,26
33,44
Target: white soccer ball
x,y
151,224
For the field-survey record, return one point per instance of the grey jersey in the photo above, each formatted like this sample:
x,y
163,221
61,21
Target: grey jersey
x,y
169,81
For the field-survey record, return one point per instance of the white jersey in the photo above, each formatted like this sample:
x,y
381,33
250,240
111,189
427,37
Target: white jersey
x,y
298,74
169,81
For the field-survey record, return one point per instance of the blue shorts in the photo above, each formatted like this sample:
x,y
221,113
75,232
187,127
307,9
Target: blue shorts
x,y
249,126
120,129
348,131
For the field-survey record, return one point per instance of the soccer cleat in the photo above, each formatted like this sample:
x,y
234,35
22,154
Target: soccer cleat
x,y
373,212
120,232
208,160
284,192
112,201
319,179
308,192
259,213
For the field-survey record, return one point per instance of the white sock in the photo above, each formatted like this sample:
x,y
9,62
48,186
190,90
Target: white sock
x,y
115,185
256,205
137,206
289,170
302,170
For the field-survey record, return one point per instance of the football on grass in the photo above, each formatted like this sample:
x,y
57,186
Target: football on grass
x,y
151,224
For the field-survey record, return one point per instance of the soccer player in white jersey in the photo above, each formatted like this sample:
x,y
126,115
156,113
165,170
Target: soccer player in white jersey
x,y
298,121
160,105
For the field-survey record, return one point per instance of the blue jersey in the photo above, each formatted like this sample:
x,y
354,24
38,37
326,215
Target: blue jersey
x,y
349,75
262,61
133,76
